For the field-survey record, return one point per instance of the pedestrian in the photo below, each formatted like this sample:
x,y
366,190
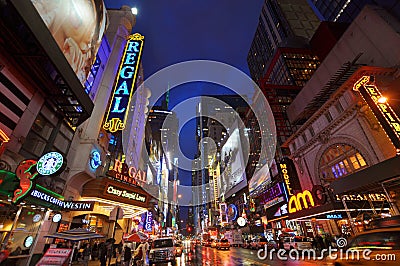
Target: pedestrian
x,y
127,256
138,255
95,251
86,254
103,254
281,246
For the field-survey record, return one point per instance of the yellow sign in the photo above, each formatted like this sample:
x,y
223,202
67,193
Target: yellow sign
x,y
382,110
296,201
361,82
124,84
286,178
307,199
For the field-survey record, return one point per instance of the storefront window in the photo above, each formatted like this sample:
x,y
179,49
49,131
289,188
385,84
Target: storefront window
x,y
340,160
20,238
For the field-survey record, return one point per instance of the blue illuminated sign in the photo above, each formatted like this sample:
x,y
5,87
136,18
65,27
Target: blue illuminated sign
x,y
124,84
95,160
232,212
148,221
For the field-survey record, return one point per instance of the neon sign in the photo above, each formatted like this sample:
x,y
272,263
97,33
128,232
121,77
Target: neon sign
x,y
124,84
382,110
286,177
232,212
51,163
148,221
130,175
118,192
307,199
95,160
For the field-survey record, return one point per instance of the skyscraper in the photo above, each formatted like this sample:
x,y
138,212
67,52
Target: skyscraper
x,y
281,23
347,10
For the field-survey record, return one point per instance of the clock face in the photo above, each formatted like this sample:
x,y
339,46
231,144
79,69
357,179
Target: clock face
x,y
36,218
241,221
28,241
57,217
50,163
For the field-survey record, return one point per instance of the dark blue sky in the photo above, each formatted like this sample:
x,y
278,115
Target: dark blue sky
x,y
181,30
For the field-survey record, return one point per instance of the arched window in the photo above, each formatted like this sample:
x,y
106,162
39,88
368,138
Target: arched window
x,y
340,160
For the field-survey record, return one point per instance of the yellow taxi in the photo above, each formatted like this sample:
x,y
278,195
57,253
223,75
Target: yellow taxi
x,y
223,244
374,247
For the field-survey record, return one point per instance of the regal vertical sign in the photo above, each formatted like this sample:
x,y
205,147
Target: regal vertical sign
x,y
382,110
124,84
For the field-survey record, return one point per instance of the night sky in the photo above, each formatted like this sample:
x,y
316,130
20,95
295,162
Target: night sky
x,y
181,30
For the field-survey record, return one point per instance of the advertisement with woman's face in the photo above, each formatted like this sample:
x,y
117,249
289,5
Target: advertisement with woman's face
x,y
78,27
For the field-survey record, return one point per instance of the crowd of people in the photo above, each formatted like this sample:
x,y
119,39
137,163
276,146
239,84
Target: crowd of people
x,y
125,254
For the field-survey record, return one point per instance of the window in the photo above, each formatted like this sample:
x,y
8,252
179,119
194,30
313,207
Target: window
x,y
377,241
294,146
47,133
312,133
340,160
304,137
339,107
328,116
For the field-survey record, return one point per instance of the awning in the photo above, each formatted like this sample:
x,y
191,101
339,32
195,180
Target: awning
x,y
310,212
110,194
368,179
77,234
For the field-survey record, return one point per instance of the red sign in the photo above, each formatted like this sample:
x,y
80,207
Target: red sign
x,y
130,175
55,256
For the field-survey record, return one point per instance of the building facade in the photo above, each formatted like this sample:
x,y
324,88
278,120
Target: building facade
x,y
342,137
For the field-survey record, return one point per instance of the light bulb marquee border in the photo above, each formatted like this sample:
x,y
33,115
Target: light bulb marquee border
x,y
117,113
382,110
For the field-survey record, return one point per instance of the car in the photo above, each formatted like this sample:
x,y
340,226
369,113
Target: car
x,y
384,244
214,243
246,244
272,244
162,251
223,244
178,249
207,243
258,243
261,242
297,242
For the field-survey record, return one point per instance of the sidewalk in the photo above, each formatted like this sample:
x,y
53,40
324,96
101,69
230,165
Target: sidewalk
x,y
93,263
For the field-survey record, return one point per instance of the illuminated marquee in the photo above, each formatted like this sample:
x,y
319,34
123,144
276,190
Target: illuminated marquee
x,y
360,197
381,109
124,84
306,199
130,175
123,193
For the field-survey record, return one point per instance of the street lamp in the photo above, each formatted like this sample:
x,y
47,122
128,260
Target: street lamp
x,y
134,10
179,196
382,99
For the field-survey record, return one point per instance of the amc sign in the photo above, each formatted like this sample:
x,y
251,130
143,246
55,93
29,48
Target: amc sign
x,y
307,199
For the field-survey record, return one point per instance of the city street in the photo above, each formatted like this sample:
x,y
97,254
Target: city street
x,y
206,132
235,256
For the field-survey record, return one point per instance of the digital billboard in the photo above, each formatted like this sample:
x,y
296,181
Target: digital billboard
x,y
77,27
233,177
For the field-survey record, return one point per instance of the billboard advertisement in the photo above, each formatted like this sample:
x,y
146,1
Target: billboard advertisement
x,y
233,177
77,27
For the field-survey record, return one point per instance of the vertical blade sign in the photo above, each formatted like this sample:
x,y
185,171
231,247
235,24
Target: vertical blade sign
x,y
124,84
